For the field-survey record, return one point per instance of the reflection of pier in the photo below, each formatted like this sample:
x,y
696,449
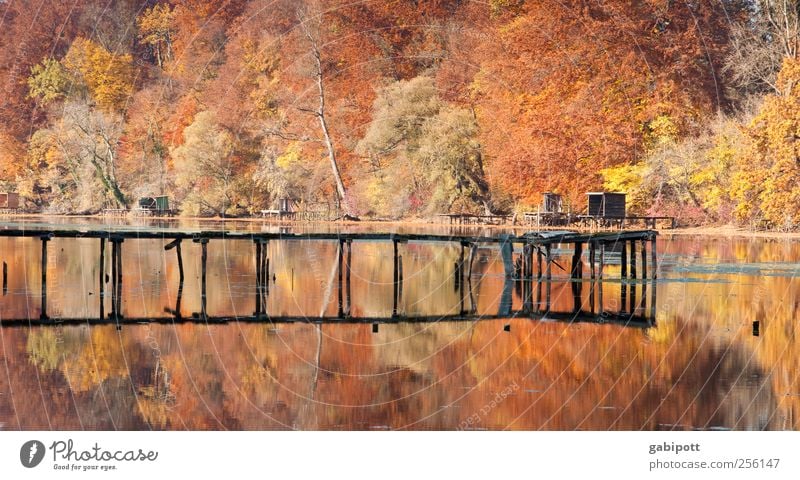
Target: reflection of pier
x,y
529,269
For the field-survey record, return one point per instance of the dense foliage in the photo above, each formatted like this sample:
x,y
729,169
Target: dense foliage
x,y
396,109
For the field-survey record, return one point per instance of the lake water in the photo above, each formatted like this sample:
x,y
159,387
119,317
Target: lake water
x,y
698,365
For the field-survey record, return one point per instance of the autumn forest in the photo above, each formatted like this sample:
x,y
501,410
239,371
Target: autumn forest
x,y
405,108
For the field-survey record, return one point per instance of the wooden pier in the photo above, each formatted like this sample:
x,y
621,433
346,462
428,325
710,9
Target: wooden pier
x,y
528,263
473,219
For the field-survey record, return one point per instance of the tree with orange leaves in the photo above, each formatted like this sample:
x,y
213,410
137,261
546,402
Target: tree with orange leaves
x,y
570,88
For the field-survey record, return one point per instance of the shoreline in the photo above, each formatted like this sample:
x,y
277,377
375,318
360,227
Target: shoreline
x,y
729,231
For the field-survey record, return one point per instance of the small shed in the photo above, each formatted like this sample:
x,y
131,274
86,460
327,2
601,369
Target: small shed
x,y
606,204
551,203
286,205
9,200
158,204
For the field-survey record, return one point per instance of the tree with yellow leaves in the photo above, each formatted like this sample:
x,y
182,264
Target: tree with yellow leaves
x,y
49,81
156,30
108,76
767,184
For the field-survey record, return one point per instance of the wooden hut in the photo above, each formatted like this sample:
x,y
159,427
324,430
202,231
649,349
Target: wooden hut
x,y
155,205
9,200
286,205
606,204
286,209
552,203
549,213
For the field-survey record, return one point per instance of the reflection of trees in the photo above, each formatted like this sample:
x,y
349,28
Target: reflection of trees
x,y
98,359
43,348
773,299
156,398
419,376
91,363
700,367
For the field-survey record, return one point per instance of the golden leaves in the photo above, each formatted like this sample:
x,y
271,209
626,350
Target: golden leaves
x,y
108,76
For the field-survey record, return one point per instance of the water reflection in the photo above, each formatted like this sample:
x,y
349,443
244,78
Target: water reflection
x,y
698,366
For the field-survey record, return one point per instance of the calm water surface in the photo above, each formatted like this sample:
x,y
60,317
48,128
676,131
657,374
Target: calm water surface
x,y
698,367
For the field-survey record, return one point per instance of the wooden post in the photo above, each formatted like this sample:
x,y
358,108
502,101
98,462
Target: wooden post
x,y
575,277
600,277
177,311
459,278
527,270
400,278
623,295
539,263
180,260
624,260
43,314
179,296
653,276
653,257
459,270
602,261
644,275
633,299
527,259
577,263
530,260
506,298
119,279
592,255
264,270
116,278
473,252
395,279
262,276
538,278
101,294
203,261
259,276
527,295
644,259
340,286
549,274
653,301
348,264
114,266
633,277
507,253
176,244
